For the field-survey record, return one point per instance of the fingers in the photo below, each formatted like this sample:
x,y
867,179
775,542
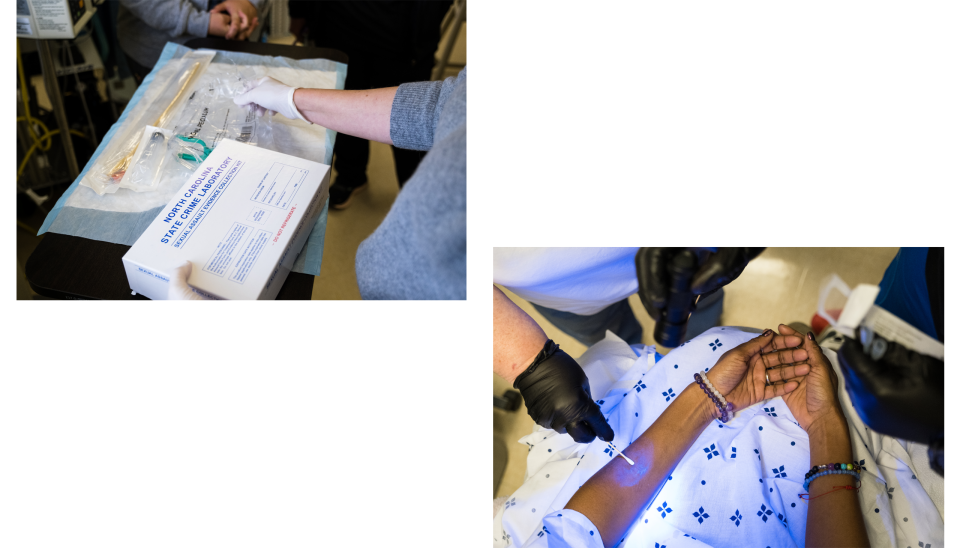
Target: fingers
x,y
808,341
244,29
239,21
246,98
182,272
599,425
784,357
780,374
774,390
779,342
722,267
757,345
651,265
761,347
711,274
655,267
580,432
178,288
253,85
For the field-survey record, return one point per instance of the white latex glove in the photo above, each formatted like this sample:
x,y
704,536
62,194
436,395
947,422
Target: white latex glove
x,y
269,95
179,289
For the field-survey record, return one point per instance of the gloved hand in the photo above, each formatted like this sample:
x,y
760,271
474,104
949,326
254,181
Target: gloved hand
x,y
896,391
557,395
179,290
717,269
269,95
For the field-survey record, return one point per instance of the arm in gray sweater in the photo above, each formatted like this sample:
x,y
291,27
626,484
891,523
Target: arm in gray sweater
x,y
416,111
419,251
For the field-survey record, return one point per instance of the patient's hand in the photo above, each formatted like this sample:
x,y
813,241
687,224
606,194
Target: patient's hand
x,y
815,402
741,373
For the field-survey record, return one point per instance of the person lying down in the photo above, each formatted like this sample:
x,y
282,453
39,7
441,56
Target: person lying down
x,y
697,481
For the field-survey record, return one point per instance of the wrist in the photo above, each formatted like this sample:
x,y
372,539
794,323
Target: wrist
x,y
292,101
827,426
516,368
721,409
829,441
703,410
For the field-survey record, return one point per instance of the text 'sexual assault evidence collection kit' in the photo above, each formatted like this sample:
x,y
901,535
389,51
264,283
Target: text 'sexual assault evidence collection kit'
x,y
241,219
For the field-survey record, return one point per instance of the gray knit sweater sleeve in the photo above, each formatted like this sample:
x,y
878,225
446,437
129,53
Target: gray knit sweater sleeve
x,y
416,111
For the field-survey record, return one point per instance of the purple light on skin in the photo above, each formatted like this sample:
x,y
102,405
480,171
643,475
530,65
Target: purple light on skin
x,y
627,475
614,448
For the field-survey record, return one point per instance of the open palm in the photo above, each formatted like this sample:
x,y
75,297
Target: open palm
x,y
741,373
816,397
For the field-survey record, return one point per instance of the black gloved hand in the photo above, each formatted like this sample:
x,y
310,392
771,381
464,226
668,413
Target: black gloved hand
x,y
900,393
716,270
557,395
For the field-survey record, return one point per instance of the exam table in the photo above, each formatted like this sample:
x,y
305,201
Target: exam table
x,y
71,267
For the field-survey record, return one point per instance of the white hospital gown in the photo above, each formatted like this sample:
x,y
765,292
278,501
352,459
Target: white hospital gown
x,y
738,485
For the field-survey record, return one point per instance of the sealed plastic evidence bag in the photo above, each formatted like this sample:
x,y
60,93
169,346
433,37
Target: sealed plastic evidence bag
x,y
122,215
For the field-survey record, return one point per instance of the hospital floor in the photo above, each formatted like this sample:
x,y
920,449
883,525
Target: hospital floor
x,y
345,229
782,285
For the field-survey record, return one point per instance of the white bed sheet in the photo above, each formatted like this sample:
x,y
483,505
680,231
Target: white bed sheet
x,y
738,484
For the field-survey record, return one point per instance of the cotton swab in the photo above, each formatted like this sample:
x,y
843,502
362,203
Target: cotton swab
x,y
619,453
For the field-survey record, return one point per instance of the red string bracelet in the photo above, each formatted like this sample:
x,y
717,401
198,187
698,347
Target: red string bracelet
x,y
807,497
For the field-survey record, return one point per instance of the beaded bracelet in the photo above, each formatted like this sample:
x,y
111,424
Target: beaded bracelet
x,y
834,466
724,408
806,483
706,381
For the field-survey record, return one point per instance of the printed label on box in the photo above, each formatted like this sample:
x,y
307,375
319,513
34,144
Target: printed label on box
x,y
223,255
258,215
251,252
279,185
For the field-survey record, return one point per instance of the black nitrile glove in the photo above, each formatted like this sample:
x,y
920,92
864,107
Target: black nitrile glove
x,y
900,393
716,270
557,395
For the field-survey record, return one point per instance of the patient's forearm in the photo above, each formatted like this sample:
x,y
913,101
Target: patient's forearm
x,y
517,339
618,493
834,519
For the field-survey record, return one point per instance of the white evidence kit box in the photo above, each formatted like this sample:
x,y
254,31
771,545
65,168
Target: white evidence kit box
x,y
241,219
